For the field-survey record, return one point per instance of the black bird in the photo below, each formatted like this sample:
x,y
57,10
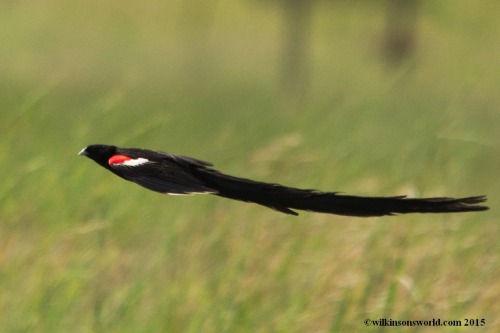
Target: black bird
x,y
181,175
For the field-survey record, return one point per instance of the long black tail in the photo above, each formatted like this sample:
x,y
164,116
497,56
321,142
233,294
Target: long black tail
x,y
284,199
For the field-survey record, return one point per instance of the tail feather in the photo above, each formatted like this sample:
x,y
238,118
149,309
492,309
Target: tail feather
x,y
285,199
379,206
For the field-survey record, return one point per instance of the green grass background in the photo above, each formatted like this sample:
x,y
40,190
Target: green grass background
x,y
83,251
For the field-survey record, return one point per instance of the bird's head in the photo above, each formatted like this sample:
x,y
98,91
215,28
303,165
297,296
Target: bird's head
x,y
99,153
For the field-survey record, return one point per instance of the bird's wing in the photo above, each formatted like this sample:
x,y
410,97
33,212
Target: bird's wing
x,y
169,175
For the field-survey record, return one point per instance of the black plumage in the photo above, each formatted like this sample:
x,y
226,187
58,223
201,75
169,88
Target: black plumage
x,y
181,175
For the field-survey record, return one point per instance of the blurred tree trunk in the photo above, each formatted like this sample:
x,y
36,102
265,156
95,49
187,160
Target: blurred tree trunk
x,y
401,29
196,23
297,17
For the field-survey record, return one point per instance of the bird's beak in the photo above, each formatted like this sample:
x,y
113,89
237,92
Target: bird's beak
x,y
83,152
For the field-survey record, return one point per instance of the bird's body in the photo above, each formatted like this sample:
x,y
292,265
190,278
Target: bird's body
x,y
181,175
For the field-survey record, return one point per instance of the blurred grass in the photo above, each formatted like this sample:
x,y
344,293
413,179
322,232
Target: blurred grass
x,y
81,250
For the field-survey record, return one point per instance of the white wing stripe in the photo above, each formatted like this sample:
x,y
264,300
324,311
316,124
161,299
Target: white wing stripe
x,y
134,162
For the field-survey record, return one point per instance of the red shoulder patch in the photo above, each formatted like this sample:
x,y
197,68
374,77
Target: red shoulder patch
x,y
118,159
